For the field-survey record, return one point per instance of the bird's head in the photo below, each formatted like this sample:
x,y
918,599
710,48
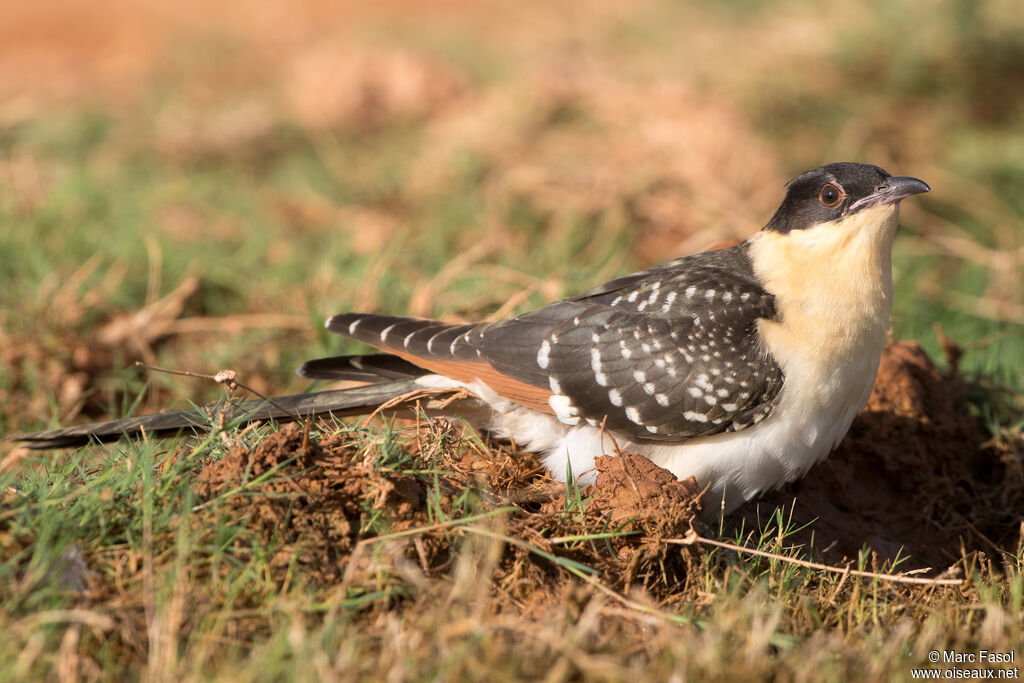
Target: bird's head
x,y
840,192
826,254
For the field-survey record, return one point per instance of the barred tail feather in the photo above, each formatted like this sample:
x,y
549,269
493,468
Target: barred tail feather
x,y
341,402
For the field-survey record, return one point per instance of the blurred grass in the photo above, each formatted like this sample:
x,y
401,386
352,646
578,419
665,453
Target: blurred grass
x,y
441,160
210,173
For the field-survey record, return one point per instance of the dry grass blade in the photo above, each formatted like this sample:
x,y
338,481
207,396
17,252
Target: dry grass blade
x,y
449,395
91,618
226,378
235,324
425,297
151,322
693,537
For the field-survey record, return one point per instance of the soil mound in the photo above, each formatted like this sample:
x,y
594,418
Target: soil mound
x,y
314,503
916,471
915,476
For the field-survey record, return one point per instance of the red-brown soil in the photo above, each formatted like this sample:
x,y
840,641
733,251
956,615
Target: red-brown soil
x,y
915,472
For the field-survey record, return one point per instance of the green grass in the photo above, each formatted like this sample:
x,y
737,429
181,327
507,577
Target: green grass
x,y
119,550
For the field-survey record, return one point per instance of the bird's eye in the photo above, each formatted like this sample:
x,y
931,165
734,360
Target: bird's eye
x,y
830,195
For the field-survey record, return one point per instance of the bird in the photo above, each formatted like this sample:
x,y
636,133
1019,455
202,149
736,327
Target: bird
x,y
740,367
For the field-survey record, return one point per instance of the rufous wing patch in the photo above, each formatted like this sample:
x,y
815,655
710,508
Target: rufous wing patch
x,y
468,371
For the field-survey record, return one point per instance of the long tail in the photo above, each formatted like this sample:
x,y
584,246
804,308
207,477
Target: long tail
x,y
341,402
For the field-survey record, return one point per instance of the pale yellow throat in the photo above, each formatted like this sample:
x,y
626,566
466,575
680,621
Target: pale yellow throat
x,y
832,285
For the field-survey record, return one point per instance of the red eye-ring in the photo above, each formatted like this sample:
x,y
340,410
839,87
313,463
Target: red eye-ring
x,y
831,195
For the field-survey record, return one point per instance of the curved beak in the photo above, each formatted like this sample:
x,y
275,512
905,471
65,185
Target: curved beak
x,y
892,190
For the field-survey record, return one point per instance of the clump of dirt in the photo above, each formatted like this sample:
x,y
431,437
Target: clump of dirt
x,y
914,472
632,487
314,502
632,492
634,505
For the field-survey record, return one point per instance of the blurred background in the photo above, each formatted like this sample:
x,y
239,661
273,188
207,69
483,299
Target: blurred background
x,y
199,185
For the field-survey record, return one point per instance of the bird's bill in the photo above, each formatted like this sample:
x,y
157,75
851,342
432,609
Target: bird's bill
x,y
891,191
